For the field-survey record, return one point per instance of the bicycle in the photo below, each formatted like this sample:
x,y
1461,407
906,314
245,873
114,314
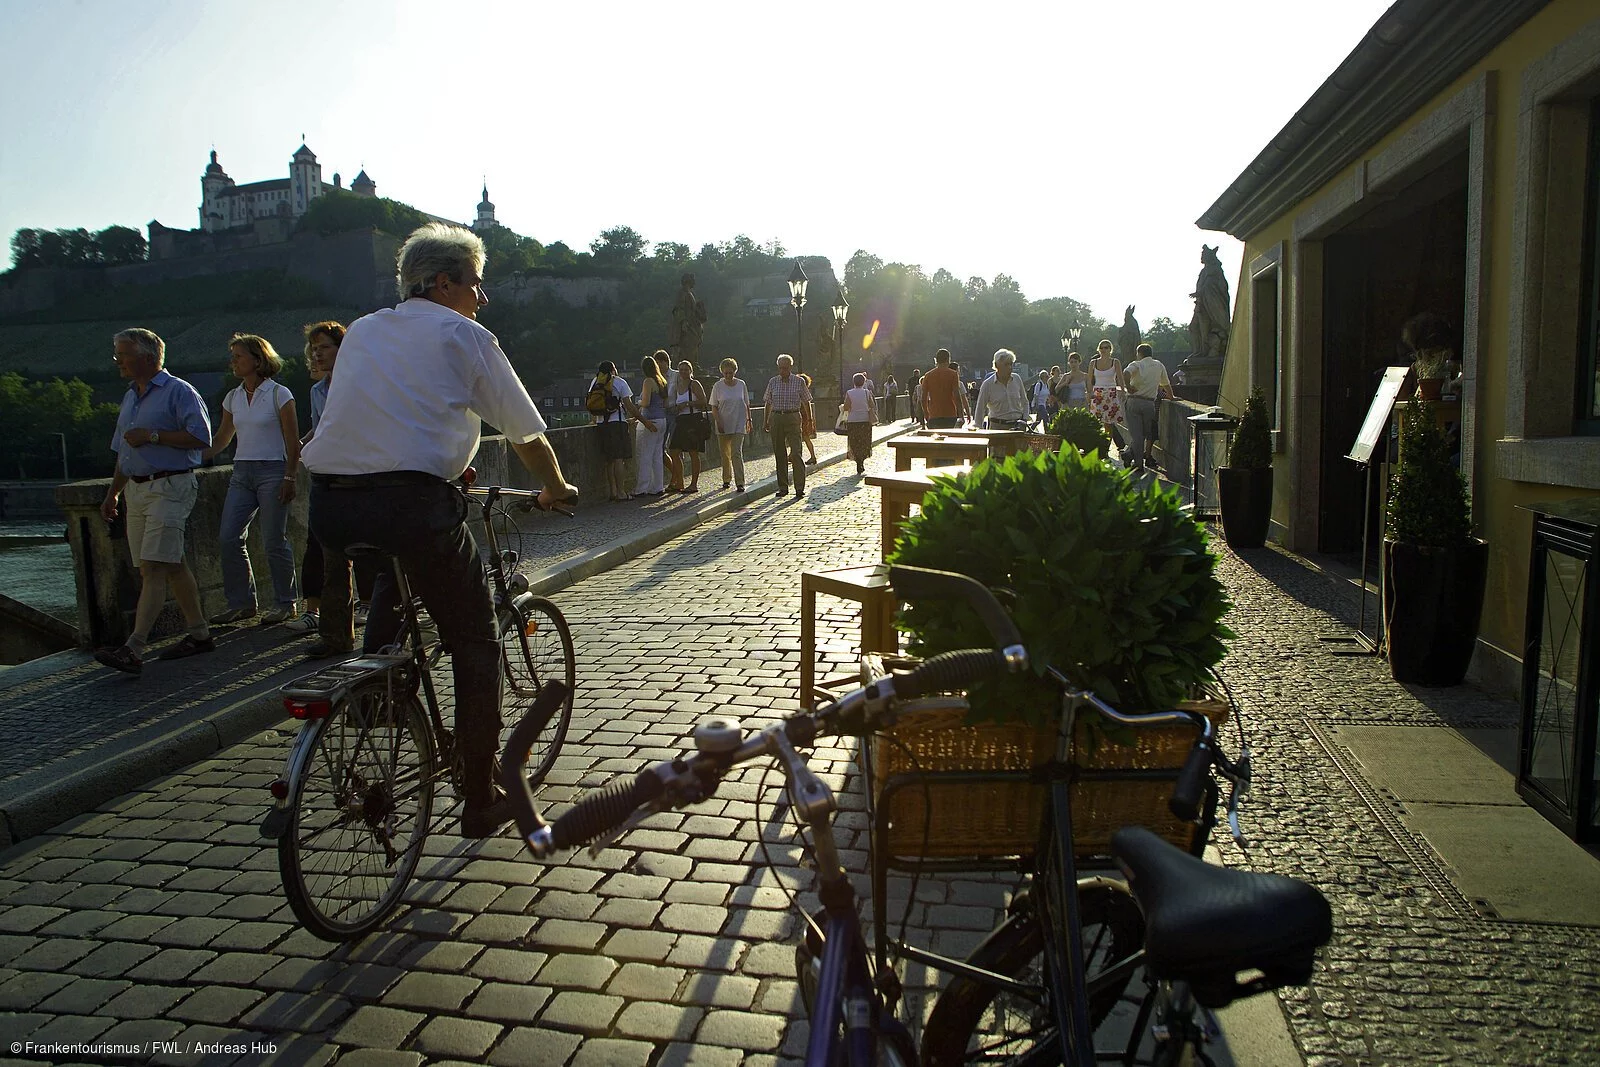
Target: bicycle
x,y
1199,926
353,807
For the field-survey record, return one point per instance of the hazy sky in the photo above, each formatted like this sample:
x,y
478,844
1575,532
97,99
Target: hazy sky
x,y
1069,144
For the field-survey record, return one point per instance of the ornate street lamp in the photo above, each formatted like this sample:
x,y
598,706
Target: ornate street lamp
x,y
797,297
841,315
1066,346
1075,333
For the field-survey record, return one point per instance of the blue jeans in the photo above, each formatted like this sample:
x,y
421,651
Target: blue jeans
x,y
253,488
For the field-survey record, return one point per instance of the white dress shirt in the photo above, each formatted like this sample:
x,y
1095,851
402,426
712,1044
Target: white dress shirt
x,y
1006,400
416,383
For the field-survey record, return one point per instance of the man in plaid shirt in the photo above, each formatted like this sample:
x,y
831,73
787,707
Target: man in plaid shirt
x,y
786,395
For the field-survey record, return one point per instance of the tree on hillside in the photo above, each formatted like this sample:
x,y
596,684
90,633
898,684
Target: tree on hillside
x,y
77,248
618,247
671,252
337,211
1163,335
860,268
509,252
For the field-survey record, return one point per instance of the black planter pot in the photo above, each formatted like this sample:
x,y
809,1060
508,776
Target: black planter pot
x,y
1246,504
1432,598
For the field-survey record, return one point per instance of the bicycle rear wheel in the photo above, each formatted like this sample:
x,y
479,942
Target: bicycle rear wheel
x,y
359,813
536,647
979,1022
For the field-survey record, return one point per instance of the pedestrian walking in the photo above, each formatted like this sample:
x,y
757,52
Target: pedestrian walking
x,y
1072,387
1041,398
914,394
730,414
377,480
889,388
783,400
944,402
859,420
1002,398
1106,387
651,437
808,425
1147,384
610,402
161,431
259,411
686,397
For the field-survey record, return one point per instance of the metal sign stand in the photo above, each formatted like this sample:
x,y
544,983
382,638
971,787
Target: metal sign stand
x,y
1374,430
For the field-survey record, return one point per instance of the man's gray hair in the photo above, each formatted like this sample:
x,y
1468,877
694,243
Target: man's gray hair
x,y
1006,356
437,249
146,341
785,358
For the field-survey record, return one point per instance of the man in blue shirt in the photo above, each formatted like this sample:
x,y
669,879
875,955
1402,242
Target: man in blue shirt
x,y
160,433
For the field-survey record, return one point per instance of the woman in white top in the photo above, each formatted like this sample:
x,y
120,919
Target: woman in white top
x,y
260,412
686,398
1107,385
730,416
859,418
651,479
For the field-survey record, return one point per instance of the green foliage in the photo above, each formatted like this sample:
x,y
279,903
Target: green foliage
x,y
77,248
1427,494
32,413
255,290
337,211
1252,441
1080,428
1430,362
1113,584
509,253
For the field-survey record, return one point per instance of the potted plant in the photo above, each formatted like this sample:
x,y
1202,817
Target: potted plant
x,y
1434,570
1245,484
1080,428
1430,338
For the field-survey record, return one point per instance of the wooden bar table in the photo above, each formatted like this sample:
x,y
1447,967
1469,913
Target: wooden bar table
x,y
869,587
1002,442
927,448
899,491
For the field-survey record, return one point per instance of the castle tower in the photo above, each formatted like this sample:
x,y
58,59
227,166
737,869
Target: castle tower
x,y
485,211
215,181
305,180
363,185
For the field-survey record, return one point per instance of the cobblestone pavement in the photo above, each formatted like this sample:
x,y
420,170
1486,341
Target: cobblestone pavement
x,y
161,917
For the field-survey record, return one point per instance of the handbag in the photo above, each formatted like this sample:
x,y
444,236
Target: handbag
x,y
841,423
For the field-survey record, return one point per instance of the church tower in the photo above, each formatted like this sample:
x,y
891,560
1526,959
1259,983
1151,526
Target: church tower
x,y
485,212
213,212
305,180
363,185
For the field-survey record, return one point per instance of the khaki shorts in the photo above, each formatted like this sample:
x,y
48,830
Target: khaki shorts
x,y
158,513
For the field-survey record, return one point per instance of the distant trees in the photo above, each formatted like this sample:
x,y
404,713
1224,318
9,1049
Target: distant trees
x,y
32,413
77,248
337,211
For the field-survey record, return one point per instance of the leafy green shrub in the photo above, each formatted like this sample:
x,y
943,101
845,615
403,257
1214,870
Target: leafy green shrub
x,y
1113,583
1252,441
1427,494
1080,428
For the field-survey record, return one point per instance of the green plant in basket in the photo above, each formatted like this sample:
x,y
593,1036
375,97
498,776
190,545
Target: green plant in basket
x,y
1112,582
1082,429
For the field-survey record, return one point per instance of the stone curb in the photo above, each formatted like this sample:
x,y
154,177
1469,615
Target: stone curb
x,y
166,747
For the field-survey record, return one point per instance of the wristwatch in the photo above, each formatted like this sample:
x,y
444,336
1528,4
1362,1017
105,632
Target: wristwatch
x,y
155,437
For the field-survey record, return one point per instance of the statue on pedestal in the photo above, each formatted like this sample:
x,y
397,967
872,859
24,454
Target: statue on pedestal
x,y
1128,337
688,325
1213,311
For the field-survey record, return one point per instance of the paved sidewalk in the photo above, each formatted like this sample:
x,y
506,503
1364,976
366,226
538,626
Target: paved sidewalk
x,y
160,916
79,734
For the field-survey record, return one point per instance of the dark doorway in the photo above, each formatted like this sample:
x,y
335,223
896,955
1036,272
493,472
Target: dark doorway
x,y
1407,254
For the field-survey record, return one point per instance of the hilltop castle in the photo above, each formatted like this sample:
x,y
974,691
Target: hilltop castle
x,y
226,205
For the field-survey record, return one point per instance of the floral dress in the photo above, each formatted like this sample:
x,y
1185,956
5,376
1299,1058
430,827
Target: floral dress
x,y
1105,399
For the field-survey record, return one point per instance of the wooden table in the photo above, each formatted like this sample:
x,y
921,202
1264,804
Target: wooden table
x,y
1002,442
869,586
899,491
929,448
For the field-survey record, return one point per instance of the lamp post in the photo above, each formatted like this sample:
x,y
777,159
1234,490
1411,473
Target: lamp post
x,y
1066,346
65,477
797,297
841,315
1075,333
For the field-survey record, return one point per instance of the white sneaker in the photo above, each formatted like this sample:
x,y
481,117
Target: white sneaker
x,y
362,607
282,613
302,624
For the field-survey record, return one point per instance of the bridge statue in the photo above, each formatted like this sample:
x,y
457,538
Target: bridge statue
x,y
1213,311
688,325
1128,337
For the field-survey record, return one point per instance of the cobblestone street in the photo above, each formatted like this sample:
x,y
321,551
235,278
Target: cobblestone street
x,y
161,917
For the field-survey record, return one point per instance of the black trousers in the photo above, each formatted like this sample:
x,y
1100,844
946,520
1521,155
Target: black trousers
x,y
424,527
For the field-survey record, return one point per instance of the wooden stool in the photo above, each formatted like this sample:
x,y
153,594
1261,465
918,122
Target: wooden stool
x,y
869,587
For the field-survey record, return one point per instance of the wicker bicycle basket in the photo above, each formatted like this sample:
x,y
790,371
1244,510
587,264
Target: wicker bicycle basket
x,y
975,818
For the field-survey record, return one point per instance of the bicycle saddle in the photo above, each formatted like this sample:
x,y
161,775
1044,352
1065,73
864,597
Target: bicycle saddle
x,y
1205,925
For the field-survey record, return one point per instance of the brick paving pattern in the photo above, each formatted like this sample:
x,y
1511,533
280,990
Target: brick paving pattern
x,y
160,916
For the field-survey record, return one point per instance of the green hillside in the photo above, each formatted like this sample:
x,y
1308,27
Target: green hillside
x,y
197,342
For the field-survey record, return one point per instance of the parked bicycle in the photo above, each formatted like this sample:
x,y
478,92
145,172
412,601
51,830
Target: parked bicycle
x,y
1034,991
355,802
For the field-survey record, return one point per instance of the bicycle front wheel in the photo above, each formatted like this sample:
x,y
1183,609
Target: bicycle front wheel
x,y
979,1022
359,812
536,647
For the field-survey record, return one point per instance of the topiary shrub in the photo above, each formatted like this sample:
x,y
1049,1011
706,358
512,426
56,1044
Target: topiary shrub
x,y
1112,583
1082,430
1427,494
1252,441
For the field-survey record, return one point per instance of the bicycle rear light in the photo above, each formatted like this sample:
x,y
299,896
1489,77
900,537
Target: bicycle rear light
x,y
279,789
469,476
307,709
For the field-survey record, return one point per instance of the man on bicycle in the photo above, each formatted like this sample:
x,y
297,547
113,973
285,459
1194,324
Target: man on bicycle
x,y
415,383
1002,399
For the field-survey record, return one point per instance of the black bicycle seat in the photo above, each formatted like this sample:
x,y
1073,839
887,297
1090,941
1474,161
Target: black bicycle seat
x,y
1208,925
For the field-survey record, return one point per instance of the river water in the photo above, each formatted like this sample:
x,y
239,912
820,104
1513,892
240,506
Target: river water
x,y
39,575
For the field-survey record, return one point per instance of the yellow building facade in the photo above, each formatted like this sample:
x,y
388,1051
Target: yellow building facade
x,y
1452,165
